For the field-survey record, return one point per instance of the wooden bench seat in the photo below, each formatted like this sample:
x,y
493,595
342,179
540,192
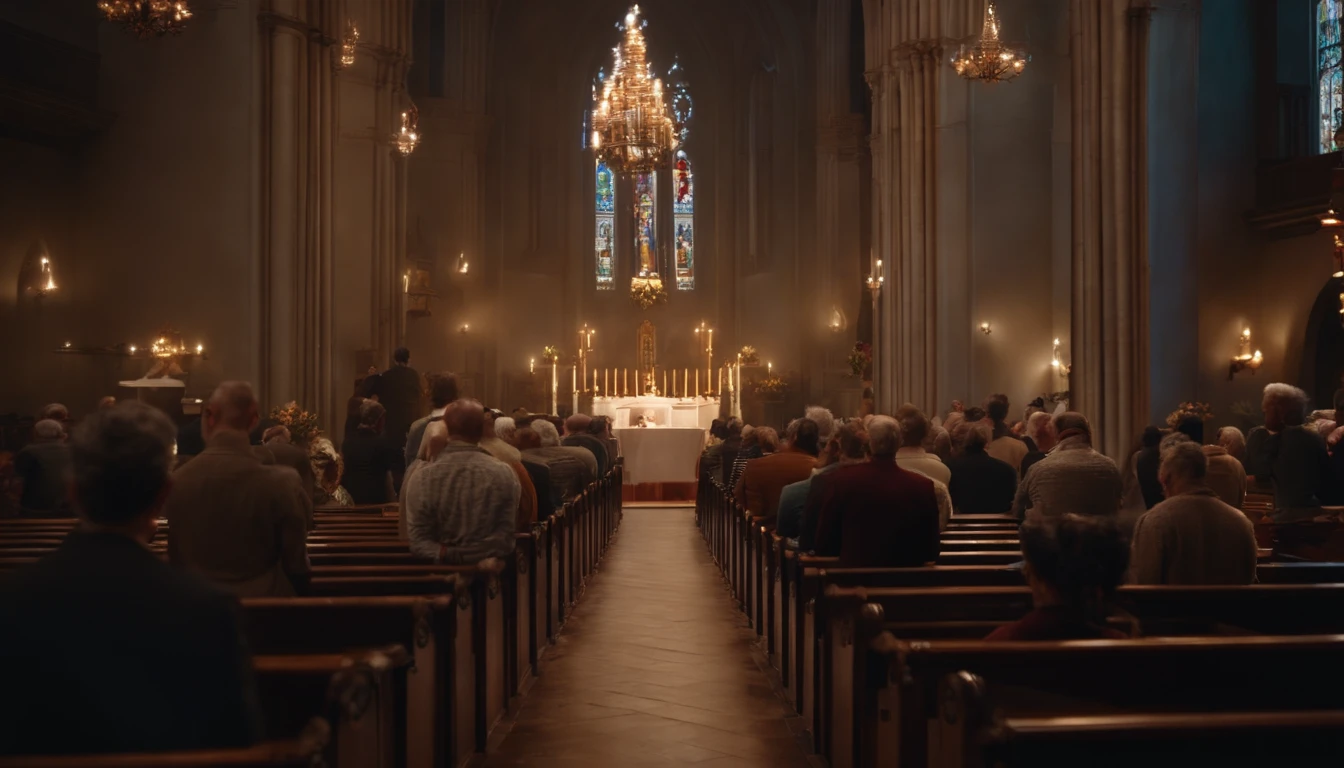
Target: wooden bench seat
x,y
303,751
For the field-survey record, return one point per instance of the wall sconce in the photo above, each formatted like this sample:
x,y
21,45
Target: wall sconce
x,y
1245,359
874,280
985,329
1330,219
532,365
462,266
37,277
1059,365
464,328
837,321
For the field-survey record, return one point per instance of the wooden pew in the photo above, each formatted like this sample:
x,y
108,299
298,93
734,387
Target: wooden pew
x,y
302,751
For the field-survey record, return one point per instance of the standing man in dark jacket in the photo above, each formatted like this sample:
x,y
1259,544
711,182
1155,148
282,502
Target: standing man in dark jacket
x,y
106,647
401,393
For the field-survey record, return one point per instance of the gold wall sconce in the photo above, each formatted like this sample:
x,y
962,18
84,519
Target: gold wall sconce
x,y
986,329
1245,359
1058,363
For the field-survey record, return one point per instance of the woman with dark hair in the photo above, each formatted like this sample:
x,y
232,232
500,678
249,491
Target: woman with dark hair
x,y
1146,462
1074,563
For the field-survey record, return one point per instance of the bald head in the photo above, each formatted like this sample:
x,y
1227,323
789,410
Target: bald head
x,y
577,424
232,407
1072,424
465,420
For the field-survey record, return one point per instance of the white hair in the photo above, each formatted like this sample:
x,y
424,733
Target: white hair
x,y
1291,399
505,427
824,419
1037,425
549,436
884,436
1183,457
1233,440
48,430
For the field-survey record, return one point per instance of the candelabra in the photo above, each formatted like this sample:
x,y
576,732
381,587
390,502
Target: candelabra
x,y
585,348
705,335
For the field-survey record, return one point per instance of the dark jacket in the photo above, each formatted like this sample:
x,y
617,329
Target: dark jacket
x,y
1296,460
1053,623
595,446
877,515
1146,464
106,648
541,480
981,484
290,455
369,457
400,392
45,469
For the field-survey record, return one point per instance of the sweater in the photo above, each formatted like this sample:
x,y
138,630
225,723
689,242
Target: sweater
x,y
462,507
1193,538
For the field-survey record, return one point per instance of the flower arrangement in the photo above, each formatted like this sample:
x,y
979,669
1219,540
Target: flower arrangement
x,y
1201,411
550,354
646,293
1056,397
859,358
749,356
302,425
770,386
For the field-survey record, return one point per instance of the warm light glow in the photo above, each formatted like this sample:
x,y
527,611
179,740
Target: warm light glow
x,y
67,345
985,329
132,349
349,44
1330,219
147,18
406,283
408,138
200,348
987,58
633,130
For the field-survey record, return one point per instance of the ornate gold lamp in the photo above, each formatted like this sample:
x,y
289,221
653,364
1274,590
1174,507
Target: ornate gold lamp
x,y
633,131
987,58
147,18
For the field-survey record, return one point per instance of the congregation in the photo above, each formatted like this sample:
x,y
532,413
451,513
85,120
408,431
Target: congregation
x,y
877,491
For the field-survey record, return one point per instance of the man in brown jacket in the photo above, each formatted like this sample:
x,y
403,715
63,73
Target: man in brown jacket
x,y
762,481
240,524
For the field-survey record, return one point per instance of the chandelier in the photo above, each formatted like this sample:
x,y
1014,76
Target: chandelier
x,y
632,130
408,138
988,58
147,18
349,44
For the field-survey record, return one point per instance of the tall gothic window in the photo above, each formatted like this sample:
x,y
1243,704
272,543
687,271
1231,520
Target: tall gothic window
x,y
604,248
646,223
1328,16
683,221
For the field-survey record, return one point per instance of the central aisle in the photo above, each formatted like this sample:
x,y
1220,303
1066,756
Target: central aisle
x,y
654,668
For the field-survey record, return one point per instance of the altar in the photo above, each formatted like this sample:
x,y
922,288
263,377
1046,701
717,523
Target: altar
x,y
681,412
660,439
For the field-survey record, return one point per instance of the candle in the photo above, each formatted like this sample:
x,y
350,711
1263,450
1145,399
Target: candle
x,y
697,382
711,339
606,380
625,382
686,382
719,389
532,365
594,381
574,379
664,382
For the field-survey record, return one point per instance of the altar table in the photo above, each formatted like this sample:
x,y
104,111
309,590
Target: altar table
x,y
699,412
660,454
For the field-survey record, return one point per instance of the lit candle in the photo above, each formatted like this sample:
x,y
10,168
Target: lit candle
x,y
711,339
697,382
574,379
625,382
594,381
664,382
719,389
532,365
769,368
200,348
606,380
686,382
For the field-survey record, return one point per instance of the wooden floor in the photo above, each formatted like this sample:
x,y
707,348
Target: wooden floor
x,y
655,667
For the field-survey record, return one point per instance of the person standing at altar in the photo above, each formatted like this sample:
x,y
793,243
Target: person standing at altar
x,y
764,479
576,434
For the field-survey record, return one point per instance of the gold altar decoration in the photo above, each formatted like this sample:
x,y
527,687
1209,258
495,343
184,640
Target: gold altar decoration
x,y
633,131
987,58
550,354
1245,359
647,289
646,349
420,294
147,18
748,356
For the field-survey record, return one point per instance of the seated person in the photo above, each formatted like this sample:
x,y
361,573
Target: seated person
x,y
1073,565
981,484
44,466
107,647
572,468
576,434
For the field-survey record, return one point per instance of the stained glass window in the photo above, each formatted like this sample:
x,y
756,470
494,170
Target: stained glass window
x,y
683,220
646,223
604,247
1328,15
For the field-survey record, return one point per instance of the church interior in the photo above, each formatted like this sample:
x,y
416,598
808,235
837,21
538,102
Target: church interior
x,y
658,225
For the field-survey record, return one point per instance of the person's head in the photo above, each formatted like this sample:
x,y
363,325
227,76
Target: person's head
x,y
914,430
1232,441
953,419
1071,424
442,389
106,402
327,464
232,407
884,437
1192,427
122,462
1035,406
578,424
717,429
805,436
276,434
978,437
997,408
853,442
1041,430
372,416
1183,465
402,356
1073,560
520,413
975,414
732,429
823,418
1284,406
767,439
465,421
525,438
505,428
368,386
436,437
545,430
600,426
54,412
749,437
1151,437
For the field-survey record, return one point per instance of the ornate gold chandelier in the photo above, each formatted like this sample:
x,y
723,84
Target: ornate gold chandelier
x,y
147,18
408,137
988,58
633,131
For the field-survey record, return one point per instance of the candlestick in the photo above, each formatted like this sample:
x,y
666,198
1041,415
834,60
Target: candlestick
x,y
625,382
665,390
532,365
606,383
574,379
720,388
555,386
697,382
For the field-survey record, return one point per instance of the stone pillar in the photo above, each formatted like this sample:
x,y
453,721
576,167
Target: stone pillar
x,y
1110,229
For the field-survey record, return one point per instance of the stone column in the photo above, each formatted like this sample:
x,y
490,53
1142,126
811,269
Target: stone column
x,y
1110,231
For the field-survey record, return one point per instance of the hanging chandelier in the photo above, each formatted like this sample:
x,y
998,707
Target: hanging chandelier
x,y
349,44
147,18
632,129
988,58
408,138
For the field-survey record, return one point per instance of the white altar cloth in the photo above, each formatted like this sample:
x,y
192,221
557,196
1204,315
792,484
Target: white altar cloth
x,y
660,454
677,411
